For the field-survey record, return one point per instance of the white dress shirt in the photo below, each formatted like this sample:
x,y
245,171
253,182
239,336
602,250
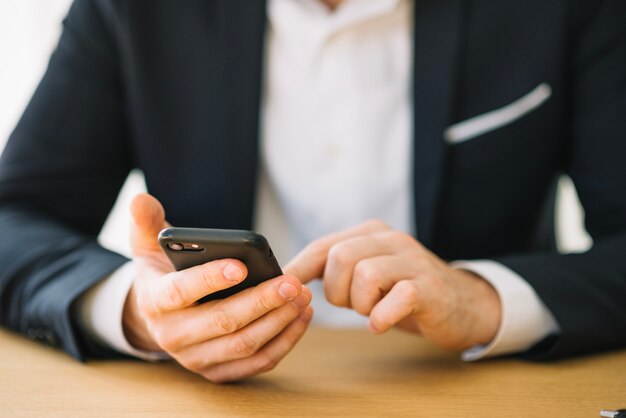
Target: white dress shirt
x,y
336,146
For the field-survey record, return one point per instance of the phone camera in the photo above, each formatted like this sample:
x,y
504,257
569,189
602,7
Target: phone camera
x,y
192,247
175,246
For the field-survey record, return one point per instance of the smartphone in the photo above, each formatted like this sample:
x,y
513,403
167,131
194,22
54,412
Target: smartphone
x,y
188,247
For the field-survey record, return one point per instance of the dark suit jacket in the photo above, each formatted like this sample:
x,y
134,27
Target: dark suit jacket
x,y
173,88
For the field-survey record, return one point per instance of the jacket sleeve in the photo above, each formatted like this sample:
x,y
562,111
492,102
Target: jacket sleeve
x,y
59,176
587,292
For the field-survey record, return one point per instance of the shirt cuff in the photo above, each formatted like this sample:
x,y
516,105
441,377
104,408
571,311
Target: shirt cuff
x,y
100,312
526,320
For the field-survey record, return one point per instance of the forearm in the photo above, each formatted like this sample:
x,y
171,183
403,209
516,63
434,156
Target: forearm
x,y
585,292
60,173
46,267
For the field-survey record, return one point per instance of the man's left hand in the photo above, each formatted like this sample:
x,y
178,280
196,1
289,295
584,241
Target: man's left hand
x,y
390,277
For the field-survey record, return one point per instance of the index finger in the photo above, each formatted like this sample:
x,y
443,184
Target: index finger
x,y
309,264
180,289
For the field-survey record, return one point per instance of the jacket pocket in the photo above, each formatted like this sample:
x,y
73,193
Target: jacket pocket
x,y
495,119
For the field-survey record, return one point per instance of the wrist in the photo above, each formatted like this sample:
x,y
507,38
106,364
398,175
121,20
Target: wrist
x,y
135,328
480,307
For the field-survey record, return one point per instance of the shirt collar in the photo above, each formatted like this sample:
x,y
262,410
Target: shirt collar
x,y
314,16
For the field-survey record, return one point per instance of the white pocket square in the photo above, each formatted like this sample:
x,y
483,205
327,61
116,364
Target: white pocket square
x,y
487,122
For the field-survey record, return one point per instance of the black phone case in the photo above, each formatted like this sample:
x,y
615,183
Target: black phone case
x,y
249,247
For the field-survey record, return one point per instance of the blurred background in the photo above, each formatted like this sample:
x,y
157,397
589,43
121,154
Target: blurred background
x,y
29,30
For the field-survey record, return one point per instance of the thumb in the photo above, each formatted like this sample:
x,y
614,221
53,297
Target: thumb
x,y
149,219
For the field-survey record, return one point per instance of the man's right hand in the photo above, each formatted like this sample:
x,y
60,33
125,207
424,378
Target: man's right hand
x,y
226,340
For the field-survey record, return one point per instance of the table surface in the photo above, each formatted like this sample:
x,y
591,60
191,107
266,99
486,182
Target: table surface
x,y
330,373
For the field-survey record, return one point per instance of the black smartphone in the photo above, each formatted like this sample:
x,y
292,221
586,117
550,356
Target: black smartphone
x,y
188,247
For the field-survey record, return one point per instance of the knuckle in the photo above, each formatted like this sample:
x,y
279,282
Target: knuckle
x,y
145,307
214,377
376,224
166,340
287,316
334,297
362,309
340,254
223,321
173,292
316,248
265,363
362,303
264,302
407,291
244,346
193,364
399,236
366,273
418,245
207,277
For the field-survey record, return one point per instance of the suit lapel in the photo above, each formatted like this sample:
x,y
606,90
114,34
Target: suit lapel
x,y
239,74
438,27
238,66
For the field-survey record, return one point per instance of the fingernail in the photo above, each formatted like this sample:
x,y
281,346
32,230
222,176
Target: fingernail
x,y
372,328
287,290
302,300
233,273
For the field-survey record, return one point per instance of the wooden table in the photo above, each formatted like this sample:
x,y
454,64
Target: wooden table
x,y
330,373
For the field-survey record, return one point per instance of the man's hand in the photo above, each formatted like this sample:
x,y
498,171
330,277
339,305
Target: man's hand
x,y
237,337
390,277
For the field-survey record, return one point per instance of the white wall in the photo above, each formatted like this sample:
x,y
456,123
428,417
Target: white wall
x,y
29,30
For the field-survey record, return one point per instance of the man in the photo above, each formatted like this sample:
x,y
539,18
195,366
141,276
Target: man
x,y
448,120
